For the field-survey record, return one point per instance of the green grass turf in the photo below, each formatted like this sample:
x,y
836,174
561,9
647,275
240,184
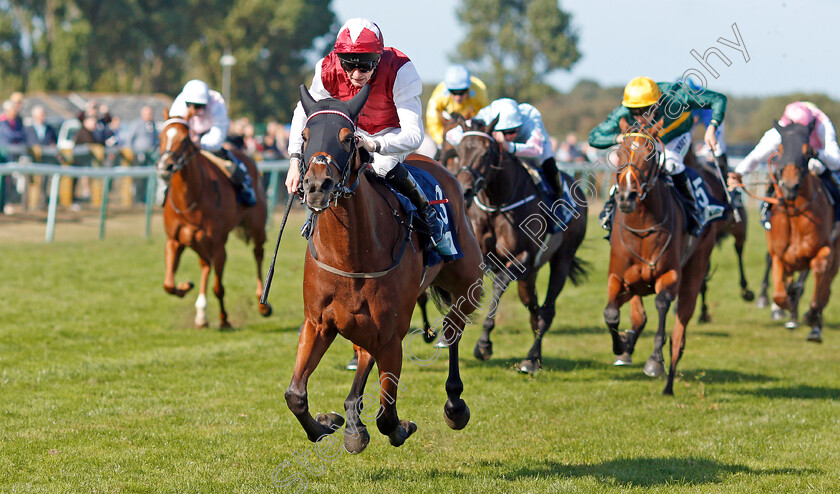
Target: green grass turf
x,y
106,387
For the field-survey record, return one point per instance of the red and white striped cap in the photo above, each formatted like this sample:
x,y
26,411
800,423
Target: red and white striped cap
x,y
359,35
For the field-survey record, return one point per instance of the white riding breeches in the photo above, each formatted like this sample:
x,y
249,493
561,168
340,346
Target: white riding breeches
x,y
675,152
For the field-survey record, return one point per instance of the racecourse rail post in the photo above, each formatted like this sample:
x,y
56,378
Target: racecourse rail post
x,y
270,273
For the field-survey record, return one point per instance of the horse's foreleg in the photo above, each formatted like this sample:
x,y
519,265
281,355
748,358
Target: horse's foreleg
x,y
172,257
763,300
666,288
638,318
218,287
616,296
311,348
689,288
201,300
356,437
389,360
484,347
780,295
528,296
824,266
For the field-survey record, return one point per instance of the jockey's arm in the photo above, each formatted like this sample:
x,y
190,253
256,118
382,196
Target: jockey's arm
x,y
830,154
768,145
607,133
213,139
531,148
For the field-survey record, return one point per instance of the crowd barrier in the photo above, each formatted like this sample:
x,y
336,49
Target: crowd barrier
x,y
105,166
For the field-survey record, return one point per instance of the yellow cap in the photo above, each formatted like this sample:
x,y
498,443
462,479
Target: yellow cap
x,y
641,92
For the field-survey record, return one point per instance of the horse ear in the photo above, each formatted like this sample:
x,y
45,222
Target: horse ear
x,y
492,126
166,113
623,125
354,106
306,100
459,119
777,126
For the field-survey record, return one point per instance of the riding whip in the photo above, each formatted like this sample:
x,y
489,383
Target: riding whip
x,y
735,213
270,273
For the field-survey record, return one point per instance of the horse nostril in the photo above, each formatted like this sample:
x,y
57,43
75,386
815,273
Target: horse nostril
x,y
326,185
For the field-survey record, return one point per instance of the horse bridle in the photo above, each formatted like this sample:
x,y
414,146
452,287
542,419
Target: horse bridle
x,y
649,179
477,180
180,159
341,189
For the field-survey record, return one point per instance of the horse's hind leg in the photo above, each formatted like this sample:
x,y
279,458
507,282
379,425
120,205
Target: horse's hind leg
x,y
172,257
528,295
763,300
484,347
740,235
704,316
389,360
560,265
795,291
218,288
428,333
356,437
311,348
456,413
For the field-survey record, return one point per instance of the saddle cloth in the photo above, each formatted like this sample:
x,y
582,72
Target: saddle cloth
x,y
562,209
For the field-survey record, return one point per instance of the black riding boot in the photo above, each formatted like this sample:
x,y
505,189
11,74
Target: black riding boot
x,y
552,175
609,209
764,213
400,179
240,178
685,189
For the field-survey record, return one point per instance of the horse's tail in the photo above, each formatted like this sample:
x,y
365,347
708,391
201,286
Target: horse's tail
x,y
443,302
579,271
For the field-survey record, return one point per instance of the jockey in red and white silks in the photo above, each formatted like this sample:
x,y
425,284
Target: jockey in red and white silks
x,y
209,125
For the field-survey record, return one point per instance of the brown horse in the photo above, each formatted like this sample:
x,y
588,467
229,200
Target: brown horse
x,y
363,272
200,211
651,253
726,228
508,214
800,236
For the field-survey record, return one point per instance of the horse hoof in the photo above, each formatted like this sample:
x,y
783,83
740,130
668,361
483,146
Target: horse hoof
x,y
402,432
529,367
777,314
202,325
623,359
763,302
356,443
483,351
654,368
331,420
459,420
225,326
704,318
441,344
429,336
791,325
749,296
815,335
266,310
183,287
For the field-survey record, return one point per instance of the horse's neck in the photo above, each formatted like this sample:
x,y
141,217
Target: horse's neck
x,y
188,183
357,231
503,187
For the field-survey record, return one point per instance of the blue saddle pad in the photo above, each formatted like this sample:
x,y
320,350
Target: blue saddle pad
x,y
430,186
704,199
562,209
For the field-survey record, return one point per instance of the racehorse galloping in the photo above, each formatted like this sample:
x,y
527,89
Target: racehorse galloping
x,y
800,235
737,229
650,252
200,211
368,274
506,217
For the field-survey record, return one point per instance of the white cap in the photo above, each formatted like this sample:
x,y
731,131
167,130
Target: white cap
x,y
196,91
508,112
457,78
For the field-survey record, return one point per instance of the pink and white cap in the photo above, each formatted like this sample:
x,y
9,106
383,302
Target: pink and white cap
x,y
798,112
359,35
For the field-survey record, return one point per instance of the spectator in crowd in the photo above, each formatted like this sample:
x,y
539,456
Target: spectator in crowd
x,y
569,151
269,141
11,135
250,144
40,133
141,136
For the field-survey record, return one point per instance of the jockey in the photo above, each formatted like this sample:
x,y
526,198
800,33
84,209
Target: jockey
x,y
208,129
521,132
390,126
459,92
823,141
645,102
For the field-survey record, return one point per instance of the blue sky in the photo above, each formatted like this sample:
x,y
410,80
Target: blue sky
x,y
792,45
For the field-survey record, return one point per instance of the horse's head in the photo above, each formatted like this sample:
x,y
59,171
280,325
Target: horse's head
x,y
479,156
176,147
638,160
329,146
794,154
